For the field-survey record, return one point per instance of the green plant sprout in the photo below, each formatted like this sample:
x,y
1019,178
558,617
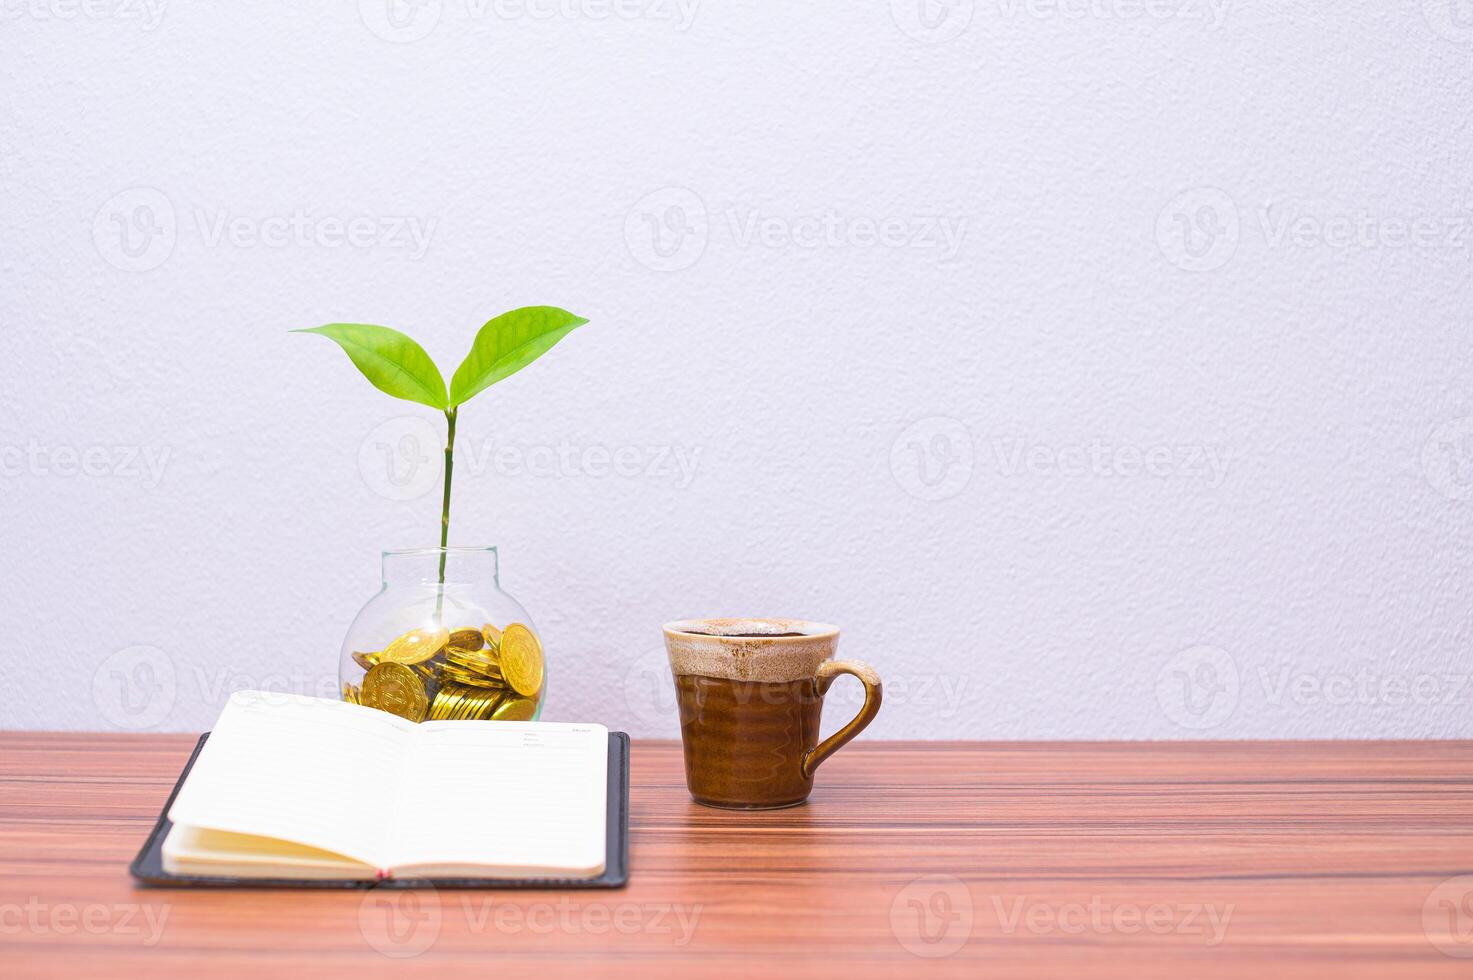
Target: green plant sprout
x,y
396,365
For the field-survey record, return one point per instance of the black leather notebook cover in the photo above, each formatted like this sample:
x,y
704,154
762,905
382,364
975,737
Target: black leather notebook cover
x,y
148,866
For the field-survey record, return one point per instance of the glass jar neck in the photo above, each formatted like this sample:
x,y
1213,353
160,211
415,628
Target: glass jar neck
x,y
421,566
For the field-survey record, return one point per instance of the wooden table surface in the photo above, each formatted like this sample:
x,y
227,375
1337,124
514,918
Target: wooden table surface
x,y
1343,859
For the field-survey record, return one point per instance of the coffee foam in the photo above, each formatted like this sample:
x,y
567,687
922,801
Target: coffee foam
x,y
767,658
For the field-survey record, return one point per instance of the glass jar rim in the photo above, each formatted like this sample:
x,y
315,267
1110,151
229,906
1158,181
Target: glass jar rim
x,y
455,549
444,567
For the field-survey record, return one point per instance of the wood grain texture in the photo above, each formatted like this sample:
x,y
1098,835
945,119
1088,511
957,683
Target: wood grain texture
x,y
1140,860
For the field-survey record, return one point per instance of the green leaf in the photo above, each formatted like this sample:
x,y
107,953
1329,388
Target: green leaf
x,y
394,363
508,343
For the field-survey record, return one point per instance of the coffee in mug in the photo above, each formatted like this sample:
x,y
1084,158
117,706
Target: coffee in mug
x,y
750,693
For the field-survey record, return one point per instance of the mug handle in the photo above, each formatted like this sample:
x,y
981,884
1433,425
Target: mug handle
x,y
827,672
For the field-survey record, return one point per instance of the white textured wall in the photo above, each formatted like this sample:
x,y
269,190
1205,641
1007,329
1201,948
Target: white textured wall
x,y
921,321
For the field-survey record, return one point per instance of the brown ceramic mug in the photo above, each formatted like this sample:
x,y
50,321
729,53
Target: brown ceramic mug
x,y
750,693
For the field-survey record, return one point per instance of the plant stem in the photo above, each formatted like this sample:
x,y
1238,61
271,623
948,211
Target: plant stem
x,y
450,414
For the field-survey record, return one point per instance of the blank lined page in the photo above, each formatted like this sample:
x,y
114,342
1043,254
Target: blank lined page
x,y
309,770
528,798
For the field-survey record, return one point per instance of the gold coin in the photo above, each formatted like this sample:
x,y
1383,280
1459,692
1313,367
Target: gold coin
x,y
396,689
515,709
459,675
478,662
445,701
521,659
486,704
437,707
492,671
492,636
367,661
469,678
449,675
462,705
350,693
472,708
467,639
485,653
416,646
462,698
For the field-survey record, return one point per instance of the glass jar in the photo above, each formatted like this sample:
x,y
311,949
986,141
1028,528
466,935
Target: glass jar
x,y
441,641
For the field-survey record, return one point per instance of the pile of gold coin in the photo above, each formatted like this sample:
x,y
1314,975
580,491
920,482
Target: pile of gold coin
x,y
454,675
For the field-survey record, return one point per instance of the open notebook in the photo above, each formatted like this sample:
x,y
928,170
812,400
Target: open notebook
x,y
308,788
